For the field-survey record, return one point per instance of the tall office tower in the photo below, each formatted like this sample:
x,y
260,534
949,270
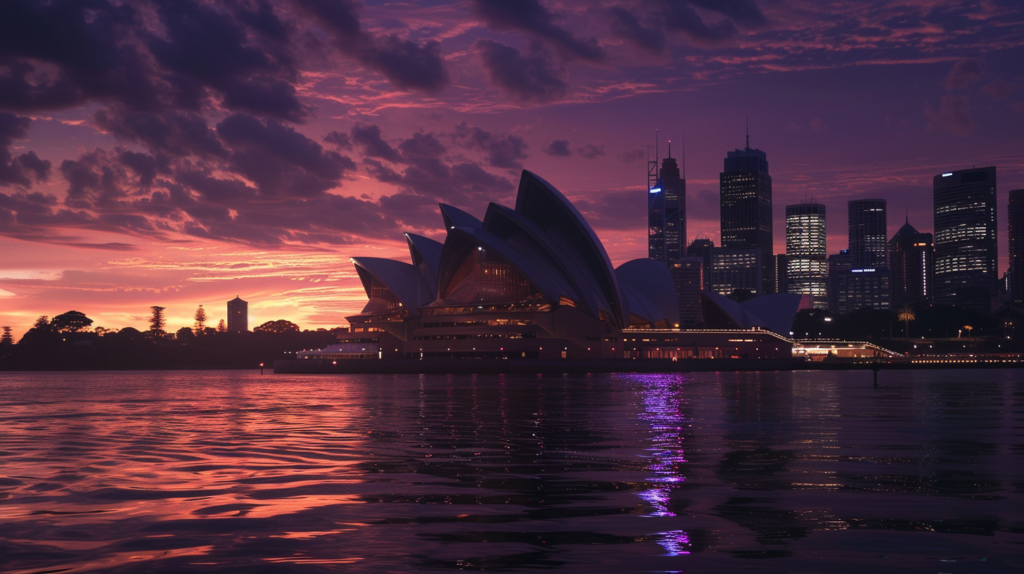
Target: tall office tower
x,y
688,276
868,232
746,207
737,270
806,267
966,251
911,264
860,288
666,213
1015,229
238,315
838,264
702,248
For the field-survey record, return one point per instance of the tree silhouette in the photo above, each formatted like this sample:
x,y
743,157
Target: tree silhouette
x,y
221,327
200,320
279,326
7,338
906,315
156,320
71,322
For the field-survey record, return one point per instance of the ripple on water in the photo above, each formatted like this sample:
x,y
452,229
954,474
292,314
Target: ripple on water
x,y
181,471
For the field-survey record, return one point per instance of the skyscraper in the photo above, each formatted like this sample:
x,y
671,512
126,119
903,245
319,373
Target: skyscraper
x,y
735,270
746,207
702,248
688,277
238,315
966,248
868,231
1015,230
666,213
911,264
806,266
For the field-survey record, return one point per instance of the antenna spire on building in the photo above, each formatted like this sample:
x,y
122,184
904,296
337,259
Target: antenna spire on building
x,y
748,133
670,149
683,157
657,154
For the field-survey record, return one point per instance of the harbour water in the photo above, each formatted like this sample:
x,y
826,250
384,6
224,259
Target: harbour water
x,y
231,471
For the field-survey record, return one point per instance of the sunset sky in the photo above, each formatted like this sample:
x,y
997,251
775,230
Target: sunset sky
x,y
179,153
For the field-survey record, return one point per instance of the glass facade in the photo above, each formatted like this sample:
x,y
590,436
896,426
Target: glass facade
x,y
911,264
862,287
736,269
1015,229
868,231
688,277
806,267
966,249
746,207
484,279
702,248
666,214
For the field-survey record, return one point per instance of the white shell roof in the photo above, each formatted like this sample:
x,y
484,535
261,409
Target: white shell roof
x,y
549,241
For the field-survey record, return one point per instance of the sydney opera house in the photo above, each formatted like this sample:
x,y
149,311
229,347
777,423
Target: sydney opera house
x,y
532,282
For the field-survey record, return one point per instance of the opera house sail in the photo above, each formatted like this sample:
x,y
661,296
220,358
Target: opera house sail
x,y
532,282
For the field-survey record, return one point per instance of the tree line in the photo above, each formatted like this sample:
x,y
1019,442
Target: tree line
x,y
71,341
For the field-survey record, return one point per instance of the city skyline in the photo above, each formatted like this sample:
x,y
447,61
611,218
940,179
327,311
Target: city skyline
x,y
183,199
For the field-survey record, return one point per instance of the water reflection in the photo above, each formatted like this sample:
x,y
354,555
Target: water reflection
x,y
663,402
171,472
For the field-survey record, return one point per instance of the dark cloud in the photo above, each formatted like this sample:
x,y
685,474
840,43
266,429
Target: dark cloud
x,y
627,25
186,55
341,140
204,46
25,168
279,160
381,172
558,148
953,115
408,65
63,54
338,16
743,12
371,143
421,147
530,16
143,165
429,173
956,16
591,151
647,31
505,151
963,74
681,17
100,180
172,133
216,190
530,78
84,44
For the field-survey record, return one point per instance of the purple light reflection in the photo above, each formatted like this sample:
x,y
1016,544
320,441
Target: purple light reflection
x,y
663,401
